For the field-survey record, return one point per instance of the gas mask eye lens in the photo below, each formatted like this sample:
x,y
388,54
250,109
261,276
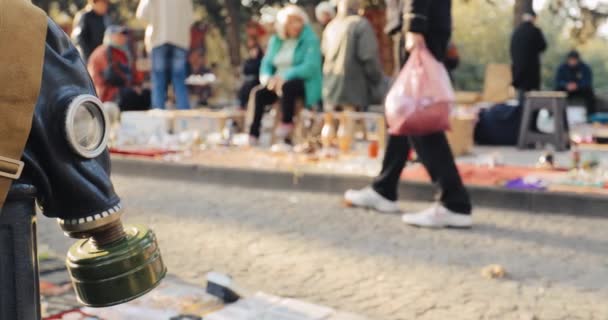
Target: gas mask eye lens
x,y
86,126
87,129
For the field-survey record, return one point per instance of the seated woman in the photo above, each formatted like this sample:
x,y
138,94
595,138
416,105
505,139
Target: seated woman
x,y
112,69
291,70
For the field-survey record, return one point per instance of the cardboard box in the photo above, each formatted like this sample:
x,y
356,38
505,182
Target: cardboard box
x,y
461,136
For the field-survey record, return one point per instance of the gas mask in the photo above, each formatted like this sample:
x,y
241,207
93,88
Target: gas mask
x,y
66,158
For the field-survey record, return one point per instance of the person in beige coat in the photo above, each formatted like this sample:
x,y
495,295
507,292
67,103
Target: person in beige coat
x,y
168,39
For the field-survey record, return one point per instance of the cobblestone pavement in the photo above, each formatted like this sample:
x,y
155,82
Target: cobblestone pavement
x,y
308,246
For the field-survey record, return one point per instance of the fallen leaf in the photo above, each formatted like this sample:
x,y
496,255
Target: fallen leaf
x,y
493,271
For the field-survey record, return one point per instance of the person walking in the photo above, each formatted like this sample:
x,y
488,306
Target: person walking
x,y
90,27
576,78
527,45
419,23
168,38
352,71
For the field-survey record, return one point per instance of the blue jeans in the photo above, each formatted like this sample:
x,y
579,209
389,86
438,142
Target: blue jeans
x,y
169,64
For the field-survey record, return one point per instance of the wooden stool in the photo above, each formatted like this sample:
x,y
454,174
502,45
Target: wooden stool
x,y
358,122
556,103
358,125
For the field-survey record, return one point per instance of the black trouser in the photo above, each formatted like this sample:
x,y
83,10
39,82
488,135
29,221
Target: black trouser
x,y
588,96
245,91
292,91
435,154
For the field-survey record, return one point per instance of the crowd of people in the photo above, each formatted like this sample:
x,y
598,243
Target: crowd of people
x,y
335,67
341,70
329,66
501,123
106,49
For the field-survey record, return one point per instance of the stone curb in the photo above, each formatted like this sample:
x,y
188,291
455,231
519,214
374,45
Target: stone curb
x,y
525,201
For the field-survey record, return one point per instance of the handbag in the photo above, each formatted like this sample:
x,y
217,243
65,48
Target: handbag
x,y
421,99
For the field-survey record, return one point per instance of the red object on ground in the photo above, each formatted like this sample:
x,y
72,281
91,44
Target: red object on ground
x,y
150,153
72,314
474,175
51,289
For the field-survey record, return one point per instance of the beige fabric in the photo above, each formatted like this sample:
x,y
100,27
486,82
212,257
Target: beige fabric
x,y
498,83
23,30
169,22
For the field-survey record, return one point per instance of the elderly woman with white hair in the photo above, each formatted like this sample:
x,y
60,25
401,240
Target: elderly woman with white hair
x,y
290,71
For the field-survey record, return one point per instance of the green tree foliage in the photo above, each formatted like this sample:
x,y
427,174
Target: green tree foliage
x,y
481,33
584,17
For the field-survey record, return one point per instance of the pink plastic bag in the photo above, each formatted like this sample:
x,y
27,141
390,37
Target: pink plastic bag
x,y
420,100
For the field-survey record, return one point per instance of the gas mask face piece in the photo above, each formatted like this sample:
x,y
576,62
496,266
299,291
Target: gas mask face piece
x,y
66,158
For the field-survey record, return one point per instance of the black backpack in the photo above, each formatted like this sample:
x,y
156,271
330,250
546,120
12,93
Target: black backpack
x,y
498,126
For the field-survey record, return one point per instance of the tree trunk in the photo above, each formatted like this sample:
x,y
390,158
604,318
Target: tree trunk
x,y
521,7
233,34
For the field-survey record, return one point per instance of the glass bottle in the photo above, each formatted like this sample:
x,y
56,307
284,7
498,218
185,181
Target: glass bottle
x,y
345,134
328,133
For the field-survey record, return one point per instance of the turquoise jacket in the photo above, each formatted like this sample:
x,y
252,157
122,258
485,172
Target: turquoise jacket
x,y
306,64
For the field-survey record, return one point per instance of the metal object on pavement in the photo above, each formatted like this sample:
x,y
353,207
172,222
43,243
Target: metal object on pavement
x,y
115,265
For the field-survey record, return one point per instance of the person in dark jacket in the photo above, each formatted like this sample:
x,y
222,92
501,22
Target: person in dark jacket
x,y
90,27
576,78
421,22
251,71
527,44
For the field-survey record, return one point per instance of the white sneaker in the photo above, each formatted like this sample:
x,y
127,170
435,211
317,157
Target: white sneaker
x,y
438,217
281,148
369,198
284,130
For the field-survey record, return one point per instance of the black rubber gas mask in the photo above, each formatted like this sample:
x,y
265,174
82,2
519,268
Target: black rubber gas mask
x,y
66,158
